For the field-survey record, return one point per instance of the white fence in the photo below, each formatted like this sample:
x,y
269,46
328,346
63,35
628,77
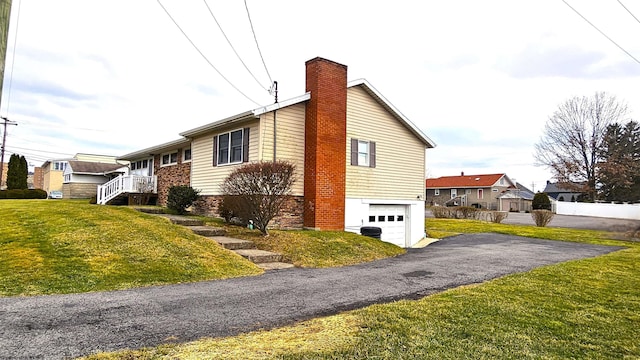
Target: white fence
x,y
616,211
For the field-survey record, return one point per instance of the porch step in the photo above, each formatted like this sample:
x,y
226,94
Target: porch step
x,y
233,244
259,256
208,231
275,266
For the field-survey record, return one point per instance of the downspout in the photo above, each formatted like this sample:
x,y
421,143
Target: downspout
x,y
275,112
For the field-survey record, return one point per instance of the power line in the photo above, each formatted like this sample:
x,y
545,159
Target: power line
x,y
601,32
42,151
203,56
256,40
629,11
231,45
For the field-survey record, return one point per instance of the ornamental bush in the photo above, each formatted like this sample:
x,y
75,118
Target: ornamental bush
x,y
541,217
181,197
541,202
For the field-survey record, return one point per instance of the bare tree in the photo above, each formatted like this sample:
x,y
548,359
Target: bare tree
x,y
572,138
260,189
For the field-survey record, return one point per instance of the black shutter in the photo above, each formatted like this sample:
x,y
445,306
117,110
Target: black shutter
x,y
245,145
372,154
354,151
215,150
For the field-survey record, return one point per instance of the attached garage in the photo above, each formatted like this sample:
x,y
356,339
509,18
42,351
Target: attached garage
x,y
392,219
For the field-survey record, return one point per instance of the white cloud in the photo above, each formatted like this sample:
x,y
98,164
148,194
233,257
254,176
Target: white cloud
x,y
480,78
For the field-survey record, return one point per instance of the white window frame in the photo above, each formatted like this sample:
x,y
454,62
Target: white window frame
x,y
171,162
454,193
480,194
229,149
67,178
60,165
364,155
184,157
436,192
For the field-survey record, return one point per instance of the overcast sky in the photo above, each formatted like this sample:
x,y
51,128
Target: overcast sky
x,y
480,78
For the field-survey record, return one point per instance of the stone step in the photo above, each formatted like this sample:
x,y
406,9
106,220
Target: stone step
x,y
208,230
146,210
233,244
185,221
259,256
275,266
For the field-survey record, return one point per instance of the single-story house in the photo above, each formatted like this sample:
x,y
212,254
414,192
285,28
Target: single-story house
x,y
81,177
563,192
359,161
481,191
50,175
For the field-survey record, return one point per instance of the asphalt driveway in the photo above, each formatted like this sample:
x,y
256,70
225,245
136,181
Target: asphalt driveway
x,y
72,325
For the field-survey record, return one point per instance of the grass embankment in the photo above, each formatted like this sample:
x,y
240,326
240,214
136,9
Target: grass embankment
x,y
65,246
319,248
586,308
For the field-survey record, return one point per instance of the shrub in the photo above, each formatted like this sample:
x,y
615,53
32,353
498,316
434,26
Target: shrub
x,y
440,212
23,194
497,216
541,217
467,212
181,197
541,202
261,189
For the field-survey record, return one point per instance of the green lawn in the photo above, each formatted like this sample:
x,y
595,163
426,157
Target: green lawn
x,y
307,248
66,246
583,309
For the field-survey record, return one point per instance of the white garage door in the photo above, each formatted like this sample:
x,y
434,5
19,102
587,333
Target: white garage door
x,y
392,219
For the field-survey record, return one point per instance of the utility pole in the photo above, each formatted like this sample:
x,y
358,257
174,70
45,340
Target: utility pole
x,y
5,13
4,141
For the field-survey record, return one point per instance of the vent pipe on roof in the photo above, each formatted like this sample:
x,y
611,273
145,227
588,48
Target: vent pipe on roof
x,y
462,173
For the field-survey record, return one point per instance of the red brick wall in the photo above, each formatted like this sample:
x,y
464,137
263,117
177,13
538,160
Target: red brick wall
x,y
290,218
172,175
38,178
325,145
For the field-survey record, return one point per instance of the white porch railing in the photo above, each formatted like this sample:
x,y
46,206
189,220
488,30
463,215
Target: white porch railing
x,y
126,184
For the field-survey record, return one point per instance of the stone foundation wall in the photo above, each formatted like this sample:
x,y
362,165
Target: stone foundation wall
x,y
292,213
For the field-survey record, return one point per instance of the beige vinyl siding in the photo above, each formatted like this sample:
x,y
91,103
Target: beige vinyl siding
x,y
289,141
400,155
96,158
204,176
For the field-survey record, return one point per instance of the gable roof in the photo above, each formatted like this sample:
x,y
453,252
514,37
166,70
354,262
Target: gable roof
x,y
255,113
92,168
560,188
464,181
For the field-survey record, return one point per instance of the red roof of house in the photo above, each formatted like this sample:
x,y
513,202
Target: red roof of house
x,y
463,181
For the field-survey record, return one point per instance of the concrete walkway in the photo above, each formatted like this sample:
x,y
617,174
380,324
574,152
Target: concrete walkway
x,y
72,325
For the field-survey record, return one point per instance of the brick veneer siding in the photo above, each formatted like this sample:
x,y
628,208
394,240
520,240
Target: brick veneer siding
x,y
291,213
38,178
171,175
325,145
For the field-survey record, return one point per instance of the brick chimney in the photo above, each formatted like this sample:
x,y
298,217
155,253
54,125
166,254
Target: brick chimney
x,y
325,157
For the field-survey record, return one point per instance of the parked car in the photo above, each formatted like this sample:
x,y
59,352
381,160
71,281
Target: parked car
x,y
55,194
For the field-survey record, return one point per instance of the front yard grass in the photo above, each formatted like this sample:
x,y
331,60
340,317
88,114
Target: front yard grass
x,y
307,248
64,246
582,309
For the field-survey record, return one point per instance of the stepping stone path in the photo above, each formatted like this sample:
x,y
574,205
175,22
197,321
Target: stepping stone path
x,y
247,249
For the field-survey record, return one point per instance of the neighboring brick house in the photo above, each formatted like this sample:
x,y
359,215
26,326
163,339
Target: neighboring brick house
x,y
468,190
359,161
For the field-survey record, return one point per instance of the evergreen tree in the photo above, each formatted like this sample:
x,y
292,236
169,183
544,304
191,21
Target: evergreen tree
x,y
17,172
619,167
